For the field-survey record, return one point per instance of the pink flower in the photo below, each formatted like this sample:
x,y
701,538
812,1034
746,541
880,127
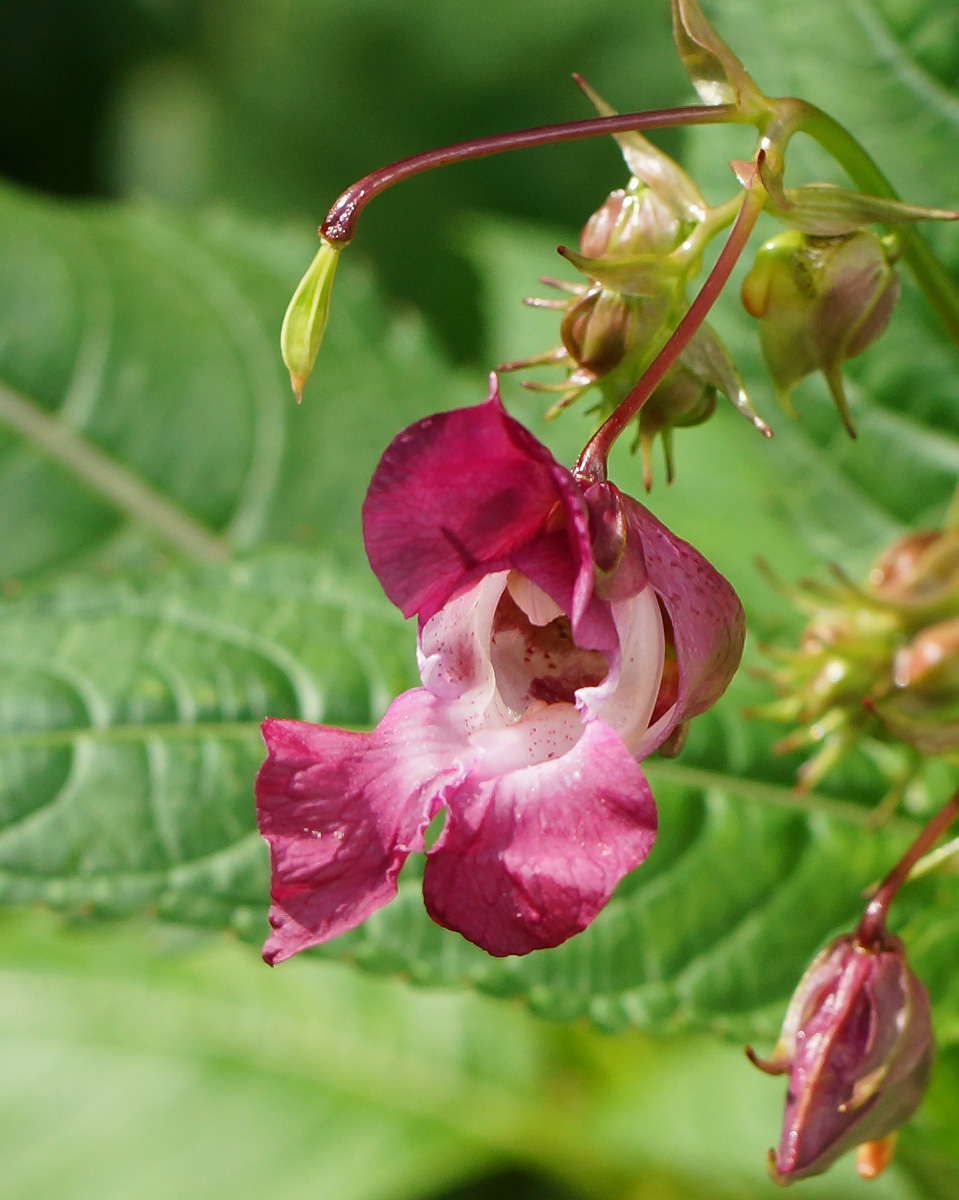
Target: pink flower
x,y
563,635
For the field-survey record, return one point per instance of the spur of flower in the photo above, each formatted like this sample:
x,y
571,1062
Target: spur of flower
x,y
563,635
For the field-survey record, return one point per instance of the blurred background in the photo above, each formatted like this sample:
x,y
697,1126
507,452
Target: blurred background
x,y
274,106
149,1062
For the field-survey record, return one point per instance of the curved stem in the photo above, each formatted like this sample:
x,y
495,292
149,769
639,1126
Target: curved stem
x,y
870,931
340,222
859,165
591,465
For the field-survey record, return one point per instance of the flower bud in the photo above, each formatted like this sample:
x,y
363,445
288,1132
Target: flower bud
x,y
633,220
687,397
857,1045
819,301
307,314
602,327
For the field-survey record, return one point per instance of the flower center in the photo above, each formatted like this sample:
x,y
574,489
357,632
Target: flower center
x,y
533,653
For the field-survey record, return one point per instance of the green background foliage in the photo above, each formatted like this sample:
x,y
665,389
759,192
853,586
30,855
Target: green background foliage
x,y
180,556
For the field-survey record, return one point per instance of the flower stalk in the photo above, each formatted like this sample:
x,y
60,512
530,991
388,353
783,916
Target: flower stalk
x,y
871,930
339,225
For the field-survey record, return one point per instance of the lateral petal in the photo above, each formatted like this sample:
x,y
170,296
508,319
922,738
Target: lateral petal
x,y
341,812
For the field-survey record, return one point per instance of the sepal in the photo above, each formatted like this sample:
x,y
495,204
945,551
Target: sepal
x,y
824,210
717,74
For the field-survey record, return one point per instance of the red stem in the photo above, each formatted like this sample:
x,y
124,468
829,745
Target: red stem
x,y
871,930
340,222
591,464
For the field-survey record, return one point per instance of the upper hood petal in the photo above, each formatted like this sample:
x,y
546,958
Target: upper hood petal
x,y
458,495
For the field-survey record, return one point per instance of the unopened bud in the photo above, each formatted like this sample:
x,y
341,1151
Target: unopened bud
x,y
600,328
307,314
819,301
919,570
857,1044
633,220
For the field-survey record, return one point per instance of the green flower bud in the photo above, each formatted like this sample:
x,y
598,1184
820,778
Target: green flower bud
x,y
633,220
307,314
687,397
601,327
819,301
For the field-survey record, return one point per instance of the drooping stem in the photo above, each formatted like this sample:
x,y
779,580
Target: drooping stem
x,y
340,222
871,929
591,464
859,165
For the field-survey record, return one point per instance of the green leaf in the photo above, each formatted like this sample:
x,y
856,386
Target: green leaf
x,y
129,746
129,718
143,402
149,1064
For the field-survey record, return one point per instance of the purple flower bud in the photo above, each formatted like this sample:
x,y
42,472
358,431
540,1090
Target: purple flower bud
x,y
857,1044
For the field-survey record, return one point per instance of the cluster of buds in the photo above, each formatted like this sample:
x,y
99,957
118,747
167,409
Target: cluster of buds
x,y
638,252
877,663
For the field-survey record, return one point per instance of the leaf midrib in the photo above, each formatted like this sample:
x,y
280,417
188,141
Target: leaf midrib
x,y
701,778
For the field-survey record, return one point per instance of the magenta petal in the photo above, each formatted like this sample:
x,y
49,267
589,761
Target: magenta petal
x,y
455,495
341,812
706,615
530,857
